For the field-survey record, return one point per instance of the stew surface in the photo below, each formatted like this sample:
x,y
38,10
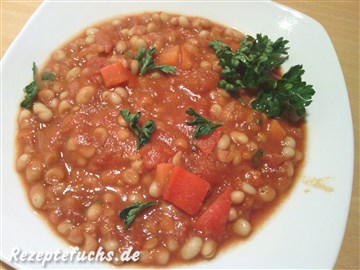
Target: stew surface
x,y
84,160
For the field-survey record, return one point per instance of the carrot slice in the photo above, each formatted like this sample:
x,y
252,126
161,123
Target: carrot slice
x,y
186,59
186,191
170,56
213,220
275,131
207,143
115,74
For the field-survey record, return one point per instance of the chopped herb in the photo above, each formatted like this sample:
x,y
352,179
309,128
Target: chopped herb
x,y
142,133
31,90
256,158
287,94
129,213
146,62
250,67
48,76
204,126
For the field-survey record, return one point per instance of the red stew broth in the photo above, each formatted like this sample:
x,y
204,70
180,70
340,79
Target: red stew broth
x,y
79,158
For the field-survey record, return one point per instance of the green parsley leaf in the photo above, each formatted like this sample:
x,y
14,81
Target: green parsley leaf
x,y
142,133
250,67
31,90
129,213
204,126
288,94
146,62
251,64
48,76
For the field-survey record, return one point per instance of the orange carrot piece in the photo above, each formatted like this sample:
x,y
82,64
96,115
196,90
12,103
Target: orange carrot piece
x,y
213,220
187,61
275,131
186,190
115,74
170,56
207,143
162,173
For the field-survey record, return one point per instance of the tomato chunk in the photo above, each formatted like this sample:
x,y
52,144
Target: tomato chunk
x,y
170,56
207,143
213,220
187,59
275,131
186,190
155,153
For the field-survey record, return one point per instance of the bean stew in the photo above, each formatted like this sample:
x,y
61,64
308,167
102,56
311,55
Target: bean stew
x,y
126,138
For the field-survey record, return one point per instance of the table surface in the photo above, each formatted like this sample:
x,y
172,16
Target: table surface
x,y
341,21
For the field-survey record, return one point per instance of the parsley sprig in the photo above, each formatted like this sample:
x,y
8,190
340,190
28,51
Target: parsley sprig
x,y
285,95
31,90
128,214
146,62
142,133
250,67
204,126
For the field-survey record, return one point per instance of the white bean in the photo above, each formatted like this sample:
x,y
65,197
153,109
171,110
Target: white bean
x,y
130,177
288,152
162,255
22,161
239,137
110,245
209,249
242,227
183,21
233,214
289,141
164,17
267,193
121,46
215,109
91,31
64,107
247,188
85,94
37,196
154,190
43,112
94,212
73,73
191,248
55,175
33,171
58,55
237,197
224,142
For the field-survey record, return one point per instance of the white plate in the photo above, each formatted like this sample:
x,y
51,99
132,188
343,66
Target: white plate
x,y
305,232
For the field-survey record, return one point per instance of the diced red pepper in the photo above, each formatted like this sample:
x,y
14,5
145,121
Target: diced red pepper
x,y
213,220
186,190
